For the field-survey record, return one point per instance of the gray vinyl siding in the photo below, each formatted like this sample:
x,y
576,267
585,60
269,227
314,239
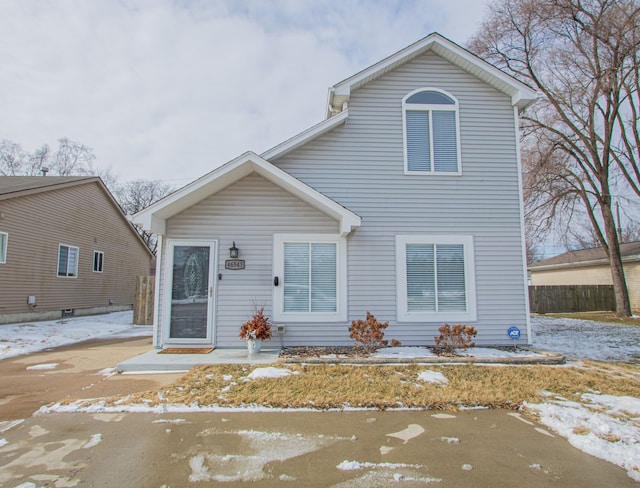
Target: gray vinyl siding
x,y
82,216
361,166
248,212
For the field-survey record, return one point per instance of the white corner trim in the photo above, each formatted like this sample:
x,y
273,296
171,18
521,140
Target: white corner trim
x,y
403,314
516,124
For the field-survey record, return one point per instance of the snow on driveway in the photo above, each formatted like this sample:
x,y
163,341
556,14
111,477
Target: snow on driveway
x,y
28,337
584,339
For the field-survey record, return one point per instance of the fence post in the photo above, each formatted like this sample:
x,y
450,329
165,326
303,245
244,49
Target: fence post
x,y
143,303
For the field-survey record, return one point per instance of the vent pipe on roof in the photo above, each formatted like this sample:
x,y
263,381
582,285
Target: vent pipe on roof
x,y
44,171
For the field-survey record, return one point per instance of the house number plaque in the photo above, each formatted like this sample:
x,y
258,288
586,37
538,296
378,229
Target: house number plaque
x,y
234,264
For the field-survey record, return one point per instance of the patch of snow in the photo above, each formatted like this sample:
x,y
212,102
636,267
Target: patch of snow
x,y
94,441
269,372
433,377
355,465
467,467
226,377
403,352
450,440
3,442
27,337
609,434
27,484
488,352
443,416
585,339
6,425
413,430
39,367
170,421
108,371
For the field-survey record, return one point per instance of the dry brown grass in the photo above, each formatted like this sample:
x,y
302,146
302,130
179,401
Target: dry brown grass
x,y
328,386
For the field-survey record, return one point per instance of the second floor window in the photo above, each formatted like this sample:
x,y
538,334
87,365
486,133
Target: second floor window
x,y
431,139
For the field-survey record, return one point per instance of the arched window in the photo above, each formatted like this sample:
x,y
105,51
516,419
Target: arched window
x,y
431,139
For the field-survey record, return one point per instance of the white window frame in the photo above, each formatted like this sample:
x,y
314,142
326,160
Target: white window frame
x,y
68,275
418,107
4,242
340,314
101,262
404,315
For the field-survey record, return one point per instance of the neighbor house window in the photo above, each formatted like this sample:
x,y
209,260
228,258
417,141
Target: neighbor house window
x,y
435,278
4,239
98,261
68,261
311,276
431,134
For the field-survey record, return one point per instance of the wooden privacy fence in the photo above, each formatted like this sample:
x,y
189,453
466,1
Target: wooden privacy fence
x,y
571,298
143,302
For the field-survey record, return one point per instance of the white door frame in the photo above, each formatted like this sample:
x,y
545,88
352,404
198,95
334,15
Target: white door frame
x,y
168,284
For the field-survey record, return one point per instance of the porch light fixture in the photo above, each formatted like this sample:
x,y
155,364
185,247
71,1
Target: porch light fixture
x,y
233,251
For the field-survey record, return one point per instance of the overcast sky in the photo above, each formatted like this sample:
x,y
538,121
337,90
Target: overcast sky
x,y
170,90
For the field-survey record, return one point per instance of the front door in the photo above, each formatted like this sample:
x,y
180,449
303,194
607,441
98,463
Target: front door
x,y
190,293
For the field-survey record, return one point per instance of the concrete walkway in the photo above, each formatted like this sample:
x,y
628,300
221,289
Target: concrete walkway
x,y
154,361
311,449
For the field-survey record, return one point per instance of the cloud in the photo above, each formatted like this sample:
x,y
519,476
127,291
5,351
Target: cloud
x,y
172,89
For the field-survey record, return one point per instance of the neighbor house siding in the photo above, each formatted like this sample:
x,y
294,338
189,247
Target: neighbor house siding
x,y
83,216
248,212
591,275
361,166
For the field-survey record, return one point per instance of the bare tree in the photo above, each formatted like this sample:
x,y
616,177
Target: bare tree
x,y
579,55
13,159
137,195
71,158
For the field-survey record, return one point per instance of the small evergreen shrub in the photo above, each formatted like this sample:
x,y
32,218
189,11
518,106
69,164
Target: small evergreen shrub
x,y
454,337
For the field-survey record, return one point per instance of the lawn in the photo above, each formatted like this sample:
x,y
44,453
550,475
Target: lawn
x,y
329,386
609,317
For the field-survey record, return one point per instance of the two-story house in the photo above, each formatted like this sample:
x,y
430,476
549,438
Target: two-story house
x,y
405,201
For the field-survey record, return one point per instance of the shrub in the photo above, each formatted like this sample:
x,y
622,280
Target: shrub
x,y
454,337
257,327
368,333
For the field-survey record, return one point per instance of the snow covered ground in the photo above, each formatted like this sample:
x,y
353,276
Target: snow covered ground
x,y
584,339
28,337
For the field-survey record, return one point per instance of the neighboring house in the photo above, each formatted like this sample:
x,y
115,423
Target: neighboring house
x,y
66,248
590,267
405,201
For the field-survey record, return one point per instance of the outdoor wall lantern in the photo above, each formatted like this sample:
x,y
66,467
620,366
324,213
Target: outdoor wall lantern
x,y
233,251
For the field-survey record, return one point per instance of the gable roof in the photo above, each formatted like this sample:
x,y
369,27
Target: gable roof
x,y
154,217
520,93
587,257
16,186
20,186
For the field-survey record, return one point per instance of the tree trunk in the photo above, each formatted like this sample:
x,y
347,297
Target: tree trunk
x,y
623,306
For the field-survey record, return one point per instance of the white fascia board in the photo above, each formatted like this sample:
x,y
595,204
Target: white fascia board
x,y
347,219
581,264
521,94
154,217
306,136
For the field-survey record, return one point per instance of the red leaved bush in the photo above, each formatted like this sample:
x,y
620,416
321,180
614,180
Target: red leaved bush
x,y
454,337
257,327
369,333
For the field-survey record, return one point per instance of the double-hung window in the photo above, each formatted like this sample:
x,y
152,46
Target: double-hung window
x,y
4,239
98,261
311,277
431,132
435,278
68,261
